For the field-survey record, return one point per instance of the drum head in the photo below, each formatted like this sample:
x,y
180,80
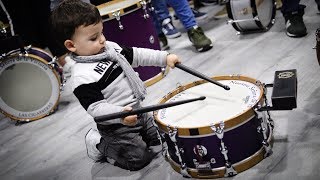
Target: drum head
x,y
219,105
29,87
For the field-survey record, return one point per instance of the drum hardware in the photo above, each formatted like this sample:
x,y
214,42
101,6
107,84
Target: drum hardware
x,y
200,75
144,7
284,93
263,129
172,132
145,109
116,14
230,21
219,131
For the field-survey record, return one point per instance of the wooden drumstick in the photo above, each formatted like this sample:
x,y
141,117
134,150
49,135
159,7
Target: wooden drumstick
x,y
200,75
142,110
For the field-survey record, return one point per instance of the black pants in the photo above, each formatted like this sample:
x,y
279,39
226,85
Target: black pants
x,y
128,145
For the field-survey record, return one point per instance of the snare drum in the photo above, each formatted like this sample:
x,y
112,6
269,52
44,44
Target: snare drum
x,y
30,85
130,23
220,136
251,15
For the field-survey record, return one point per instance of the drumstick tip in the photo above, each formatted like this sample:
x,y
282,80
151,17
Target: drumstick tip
x,y
226,87
202,98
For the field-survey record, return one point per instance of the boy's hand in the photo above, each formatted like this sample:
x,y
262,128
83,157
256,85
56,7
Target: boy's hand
x,y
130,120
172,59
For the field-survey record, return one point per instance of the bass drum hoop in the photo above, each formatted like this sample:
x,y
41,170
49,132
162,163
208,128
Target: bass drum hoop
x,y
51,105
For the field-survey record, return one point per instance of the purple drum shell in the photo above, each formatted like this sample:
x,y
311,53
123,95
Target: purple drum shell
x,y
241,142
137,32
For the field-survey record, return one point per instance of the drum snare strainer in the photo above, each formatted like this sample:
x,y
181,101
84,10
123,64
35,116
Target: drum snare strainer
x,y
218,136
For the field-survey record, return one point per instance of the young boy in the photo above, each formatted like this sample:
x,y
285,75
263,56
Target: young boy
x,y
104,82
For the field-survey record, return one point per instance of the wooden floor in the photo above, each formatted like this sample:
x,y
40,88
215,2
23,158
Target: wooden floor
x,y
54,148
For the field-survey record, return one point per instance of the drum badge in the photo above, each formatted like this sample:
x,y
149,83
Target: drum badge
x,y
200,150
285,75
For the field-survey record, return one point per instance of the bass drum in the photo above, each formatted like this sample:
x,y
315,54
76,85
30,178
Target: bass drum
x,y
29,84
251,15
220,136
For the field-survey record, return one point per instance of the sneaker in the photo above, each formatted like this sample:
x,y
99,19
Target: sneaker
x,y
163,42
92,138
221,14
169,30
209,2
199,15
295,26
199,39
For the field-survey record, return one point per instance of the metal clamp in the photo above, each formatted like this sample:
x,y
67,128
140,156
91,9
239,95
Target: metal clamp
x,y
230,21
172,135
145,11
116,14
230,171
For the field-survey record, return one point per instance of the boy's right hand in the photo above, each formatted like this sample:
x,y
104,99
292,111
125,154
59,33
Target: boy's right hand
x,y
130,120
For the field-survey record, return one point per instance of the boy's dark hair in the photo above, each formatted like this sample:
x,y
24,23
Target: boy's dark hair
x,y
69,15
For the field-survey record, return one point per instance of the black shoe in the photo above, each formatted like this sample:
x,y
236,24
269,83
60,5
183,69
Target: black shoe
x,y
295,26
163,42
199,39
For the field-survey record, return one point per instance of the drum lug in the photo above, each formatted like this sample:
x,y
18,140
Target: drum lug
x,y
263,129
219,131
267,148
172,135
116,14
144,7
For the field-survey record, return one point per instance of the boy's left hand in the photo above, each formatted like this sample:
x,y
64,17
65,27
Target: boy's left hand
x,y
172,59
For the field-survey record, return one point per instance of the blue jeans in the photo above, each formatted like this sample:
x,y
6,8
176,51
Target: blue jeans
x,y
181,8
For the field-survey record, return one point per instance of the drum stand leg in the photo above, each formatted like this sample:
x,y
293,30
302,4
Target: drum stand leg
x,y
230,171
172,135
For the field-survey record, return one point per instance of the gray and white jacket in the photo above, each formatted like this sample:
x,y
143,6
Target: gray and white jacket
x,y
102,87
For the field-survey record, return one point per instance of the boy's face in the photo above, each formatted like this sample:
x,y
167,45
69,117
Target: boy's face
x,y
87,40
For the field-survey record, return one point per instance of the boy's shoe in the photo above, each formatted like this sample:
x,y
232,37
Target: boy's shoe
x,y
92,138
295,26
169,30
199,39
222,13
163,42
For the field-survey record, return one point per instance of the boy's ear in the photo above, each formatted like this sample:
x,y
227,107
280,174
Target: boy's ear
x,y
69,45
